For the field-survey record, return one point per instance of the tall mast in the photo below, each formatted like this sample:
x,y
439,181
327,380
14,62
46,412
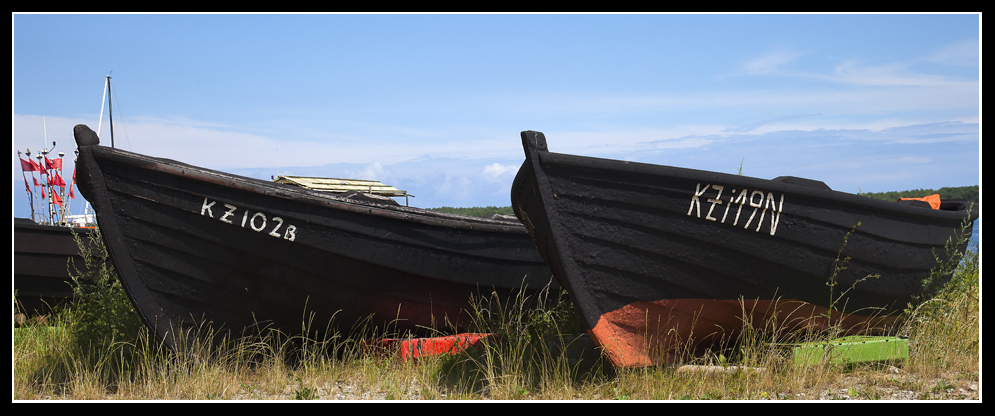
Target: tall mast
x,y
110,112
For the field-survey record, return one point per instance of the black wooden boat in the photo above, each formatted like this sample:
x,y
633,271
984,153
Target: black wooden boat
x,y
44,254
663,261
195,246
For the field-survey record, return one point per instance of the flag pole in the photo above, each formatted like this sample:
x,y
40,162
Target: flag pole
x,y
62,192
34,195
68,194
45,167
44,198
27,187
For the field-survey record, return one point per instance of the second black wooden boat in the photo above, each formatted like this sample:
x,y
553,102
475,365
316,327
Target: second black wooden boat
x,y
44,258
663,261
196,246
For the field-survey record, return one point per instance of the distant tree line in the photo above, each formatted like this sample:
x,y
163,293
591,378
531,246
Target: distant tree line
x,y
970,193
476,211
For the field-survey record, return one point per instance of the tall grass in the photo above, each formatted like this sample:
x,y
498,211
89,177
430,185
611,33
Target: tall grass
x,y
945,324
97,347
536,352
86,352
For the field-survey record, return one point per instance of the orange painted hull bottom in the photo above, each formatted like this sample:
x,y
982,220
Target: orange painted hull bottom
x,y
666,331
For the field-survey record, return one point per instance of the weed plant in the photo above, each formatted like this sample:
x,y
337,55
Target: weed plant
x,y
88,341
101,313
536,350
944,324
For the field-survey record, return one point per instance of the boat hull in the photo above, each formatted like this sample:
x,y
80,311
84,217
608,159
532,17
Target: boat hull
x,y
663,262
195,246
44,255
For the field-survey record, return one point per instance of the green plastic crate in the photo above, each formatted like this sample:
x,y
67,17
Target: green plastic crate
x,y
852,350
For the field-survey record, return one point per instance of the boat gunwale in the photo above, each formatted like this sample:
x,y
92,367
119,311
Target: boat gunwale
x,y
21,222
836,197
290,192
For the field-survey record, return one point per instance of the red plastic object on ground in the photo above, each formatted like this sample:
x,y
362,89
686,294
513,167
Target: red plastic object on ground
x,y
413,348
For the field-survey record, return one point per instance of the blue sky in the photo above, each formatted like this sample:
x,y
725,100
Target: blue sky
x,y
434,104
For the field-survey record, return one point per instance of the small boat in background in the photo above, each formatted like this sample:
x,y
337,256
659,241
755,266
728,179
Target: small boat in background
x,y
44,254
197,247
664,261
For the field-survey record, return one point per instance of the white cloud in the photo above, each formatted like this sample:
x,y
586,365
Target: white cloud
x,y
769,63
498,172
854,72
893,74
966,52
455,186
374,171
216,146
615,141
